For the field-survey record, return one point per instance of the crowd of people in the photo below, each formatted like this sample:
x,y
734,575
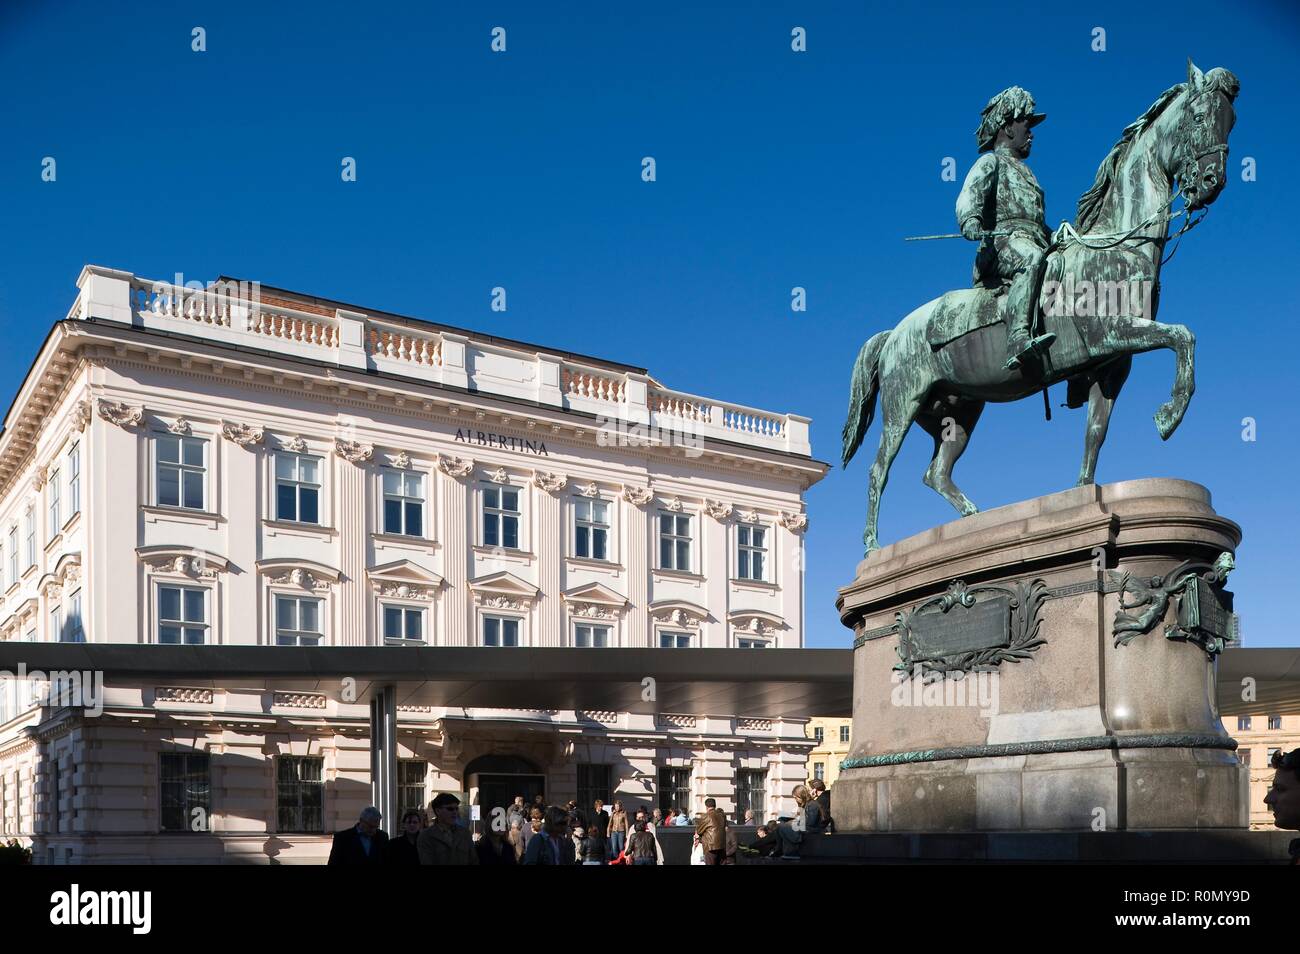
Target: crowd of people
x,y
541,834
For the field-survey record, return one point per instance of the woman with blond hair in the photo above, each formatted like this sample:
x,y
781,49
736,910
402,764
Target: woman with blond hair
x,y
807,818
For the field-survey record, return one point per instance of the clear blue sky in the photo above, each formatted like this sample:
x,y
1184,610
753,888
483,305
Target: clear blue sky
x,y
775,169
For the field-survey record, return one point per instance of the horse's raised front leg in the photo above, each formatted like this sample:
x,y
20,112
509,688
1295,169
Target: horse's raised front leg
x,y
951,427
1101,401
1135,335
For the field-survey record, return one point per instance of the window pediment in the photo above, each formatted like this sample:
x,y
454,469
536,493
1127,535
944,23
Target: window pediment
x,y
404,579
594,601
184,561
678,612
503,590
757,622
305,573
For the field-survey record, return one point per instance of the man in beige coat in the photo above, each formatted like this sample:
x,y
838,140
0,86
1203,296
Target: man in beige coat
x,y
444,842
712,829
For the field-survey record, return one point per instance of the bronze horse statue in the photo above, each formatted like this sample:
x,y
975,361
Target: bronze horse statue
x,y
945,360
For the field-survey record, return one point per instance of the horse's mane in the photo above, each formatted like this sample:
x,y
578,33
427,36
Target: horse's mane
x,y
1091,201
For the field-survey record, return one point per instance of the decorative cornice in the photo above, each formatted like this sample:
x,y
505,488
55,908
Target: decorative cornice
x,y
354,451
638,496
456,466
675,505
123,415
401,460
588,489
299,700
39,476
242,434
194,563
180,426
794,522
551,483
183,694
498,476
593,611
81,414
295,444
718,510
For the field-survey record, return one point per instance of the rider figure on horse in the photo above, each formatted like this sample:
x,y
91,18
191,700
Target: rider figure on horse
x,y
1001,207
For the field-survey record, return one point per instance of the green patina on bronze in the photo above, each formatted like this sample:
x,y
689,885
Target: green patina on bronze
x,y
1047,747
948,358
1204,608
972,629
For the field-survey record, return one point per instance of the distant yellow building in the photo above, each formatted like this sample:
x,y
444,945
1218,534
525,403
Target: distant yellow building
x,y
833,736
1258,736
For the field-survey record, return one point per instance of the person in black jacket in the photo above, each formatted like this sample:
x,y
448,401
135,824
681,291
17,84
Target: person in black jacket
x,y
365,843
402,852
494,849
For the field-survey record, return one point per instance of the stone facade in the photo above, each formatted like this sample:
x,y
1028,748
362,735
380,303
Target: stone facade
x,y
261,467
1257,736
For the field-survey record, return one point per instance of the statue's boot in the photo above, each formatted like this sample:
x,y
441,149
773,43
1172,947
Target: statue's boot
x,y
1021,348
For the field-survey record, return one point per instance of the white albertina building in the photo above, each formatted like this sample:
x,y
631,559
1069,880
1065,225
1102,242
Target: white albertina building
x,y
245,466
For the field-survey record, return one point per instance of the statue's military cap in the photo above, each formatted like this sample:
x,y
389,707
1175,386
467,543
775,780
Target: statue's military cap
x,y
1011,104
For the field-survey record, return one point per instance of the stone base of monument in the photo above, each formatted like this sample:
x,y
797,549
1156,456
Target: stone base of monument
x,y
1049,666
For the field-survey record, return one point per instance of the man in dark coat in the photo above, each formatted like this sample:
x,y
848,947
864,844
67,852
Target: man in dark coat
x,y
402,850
365,843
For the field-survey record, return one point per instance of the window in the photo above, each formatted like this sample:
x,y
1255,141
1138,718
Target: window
x,y
72,628
744,642
674,788
1274,723
501,517
819,734
674,640
184,791
844,733
403,503
751,555
56,624
410,786
593,783
1243,755
405,623
591,533
297,488
1271,753
674,542
1243,723
55,495
30,523
819,770
74,479
13,554
300,794
297,621
591,636
54,797
751,792
182,471
500,631
182,615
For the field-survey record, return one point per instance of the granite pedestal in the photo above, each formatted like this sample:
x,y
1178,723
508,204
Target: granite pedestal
x,y
1058,728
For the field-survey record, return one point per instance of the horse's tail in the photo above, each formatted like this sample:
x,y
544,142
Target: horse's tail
x,y
862,394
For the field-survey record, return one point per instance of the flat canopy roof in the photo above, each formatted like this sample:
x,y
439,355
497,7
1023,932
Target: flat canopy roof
x,y
745,682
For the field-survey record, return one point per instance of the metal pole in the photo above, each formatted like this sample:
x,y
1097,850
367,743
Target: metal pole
x,y
383,756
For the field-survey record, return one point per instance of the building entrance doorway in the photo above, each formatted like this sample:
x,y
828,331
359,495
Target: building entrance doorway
x,y
495,780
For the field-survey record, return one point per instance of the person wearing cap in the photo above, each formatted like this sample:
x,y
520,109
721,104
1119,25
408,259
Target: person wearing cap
x,y
1001,195
444,842
1283,798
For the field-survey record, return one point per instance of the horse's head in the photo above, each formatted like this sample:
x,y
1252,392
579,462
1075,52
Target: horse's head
x,y
1205,118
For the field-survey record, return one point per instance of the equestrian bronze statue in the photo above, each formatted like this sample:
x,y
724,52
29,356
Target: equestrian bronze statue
x,y
1073,306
